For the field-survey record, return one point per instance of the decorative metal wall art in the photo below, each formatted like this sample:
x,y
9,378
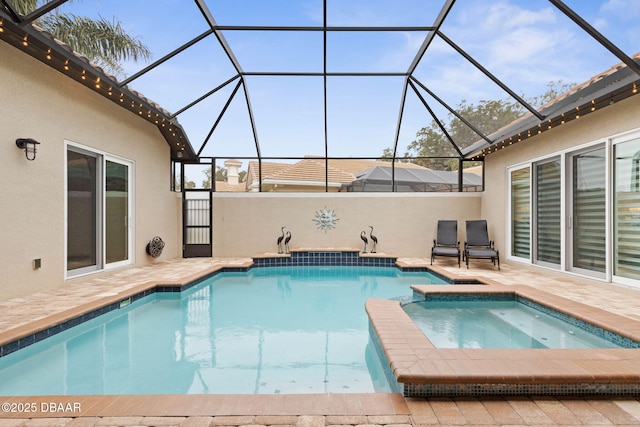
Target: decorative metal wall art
x,y
155,247
325,219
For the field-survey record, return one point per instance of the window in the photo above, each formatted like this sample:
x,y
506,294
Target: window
x,y
579,210
588,219
548,208
627,210
520,213
98,211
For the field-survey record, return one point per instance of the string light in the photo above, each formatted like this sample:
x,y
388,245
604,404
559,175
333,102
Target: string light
x,y
84,74
49,53
24,40
66,65
1,27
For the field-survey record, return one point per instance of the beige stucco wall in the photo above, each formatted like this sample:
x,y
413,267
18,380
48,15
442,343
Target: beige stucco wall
x,y
591,128
405,224
41,103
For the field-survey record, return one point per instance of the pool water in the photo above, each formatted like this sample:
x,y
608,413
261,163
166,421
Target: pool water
x,y
271,330
497,324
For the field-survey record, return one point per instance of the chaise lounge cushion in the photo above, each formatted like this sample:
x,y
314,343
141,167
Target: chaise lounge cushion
x,y
446,251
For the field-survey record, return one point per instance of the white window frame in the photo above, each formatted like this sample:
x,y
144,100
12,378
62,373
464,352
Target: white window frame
x,y
565,157
509,233
101,264
618,139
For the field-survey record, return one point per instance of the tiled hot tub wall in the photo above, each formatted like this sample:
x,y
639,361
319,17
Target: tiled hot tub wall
x,y
320,257
425,371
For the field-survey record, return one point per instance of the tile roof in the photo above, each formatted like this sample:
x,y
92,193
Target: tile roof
x,y
553,107
312,169
268,168
589,82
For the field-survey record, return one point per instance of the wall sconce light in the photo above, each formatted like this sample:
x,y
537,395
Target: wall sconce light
x,y
29,147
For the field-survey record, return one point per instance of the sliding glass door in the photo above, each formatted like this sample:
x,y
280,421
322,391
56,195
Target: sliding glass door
x,y
579,210
588,212
626,210
116,212
98,211
83,211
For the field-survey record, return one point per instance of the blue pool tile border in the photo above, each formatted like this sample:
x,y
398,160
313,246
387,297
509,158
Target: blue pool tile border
x,y
511,296
596,330
314,258
394,385
479,390
55,329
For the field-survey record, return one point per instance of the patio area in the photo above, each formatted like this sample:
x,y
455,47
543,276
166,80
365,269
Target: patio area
x,y
24,315
523,113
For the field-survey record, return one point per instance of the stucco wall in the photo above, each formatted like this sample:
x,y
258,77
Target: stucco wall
x,y
405,224
41,103
594,127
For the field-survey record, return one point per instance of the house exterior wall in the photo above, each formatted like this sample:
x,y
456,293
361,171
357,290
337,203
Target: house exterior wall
x,y
405,224
595,127
41,103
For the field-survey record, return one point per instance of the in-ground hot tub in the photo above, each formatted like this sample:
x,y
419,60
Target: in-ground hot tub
x,y
420,368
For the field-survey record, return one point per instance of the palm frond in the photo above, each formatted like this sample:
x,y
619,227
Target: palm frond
x,y
25,7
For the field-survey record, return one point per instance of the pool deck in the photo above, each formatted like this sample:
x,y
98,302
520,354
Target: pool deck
x,y
22,316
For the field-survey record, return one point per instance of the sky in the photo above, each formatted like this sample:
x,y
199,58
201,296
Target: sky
x,y
524,43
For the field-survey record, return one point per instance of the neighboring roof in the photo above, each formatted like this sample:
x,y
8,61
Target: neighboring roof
x,y
429,177
268,168
312,169
478,170
358,165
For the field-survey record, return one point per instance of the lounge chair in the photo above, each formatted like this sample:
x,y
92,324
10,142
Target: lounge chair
x,y
478,244
446,243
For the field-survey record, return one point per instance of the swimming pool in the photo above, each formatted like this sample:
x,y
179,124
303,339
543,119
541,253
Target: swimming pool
x,y
498,324
268,330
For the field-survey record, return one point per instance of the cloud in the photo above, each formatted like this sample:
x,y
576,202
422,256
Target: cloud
x,y
525,46
622,9
504,16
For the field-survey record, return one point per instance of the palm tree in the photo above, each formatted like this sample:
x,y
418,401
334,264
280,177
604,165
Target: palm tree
x,y
105,43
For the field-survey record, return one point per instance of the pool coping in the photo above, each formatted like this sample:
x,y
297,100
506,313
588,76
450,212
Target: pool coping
x,y
423,370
